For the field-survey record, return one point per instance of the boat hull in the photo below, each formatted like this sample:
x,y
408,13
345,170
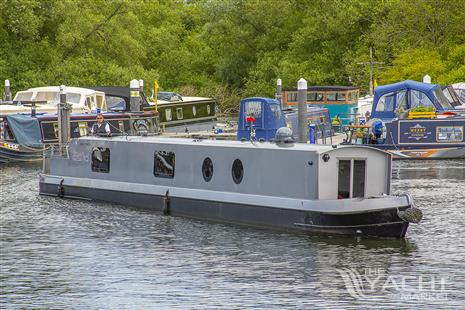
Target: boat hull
x,y
19,154
426,152
380,223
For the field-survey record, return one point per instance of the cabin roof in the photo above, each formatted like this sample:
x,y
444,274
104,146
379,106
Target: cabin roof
x,y
124,92
69,89
325,88
315,148
408,84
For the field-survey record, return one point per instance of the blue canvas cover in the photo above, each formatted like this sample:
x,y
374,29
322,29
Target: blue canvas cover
x,y
267,114
424,88
26,130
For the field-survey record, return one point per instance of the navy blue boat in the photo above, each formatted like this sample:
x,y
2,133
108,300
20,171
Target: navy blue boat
x,y
413,120
23,138
266,116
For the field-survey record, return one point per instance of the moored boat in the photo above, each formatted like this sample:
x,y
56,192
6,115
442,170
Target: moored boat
x,y
45,100
293,187
413,120
341,101
268,117
24,138
175,111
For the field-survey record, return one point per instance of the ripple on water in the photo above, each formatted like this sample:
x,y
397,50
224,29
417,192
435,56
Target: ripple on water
x,y
77,254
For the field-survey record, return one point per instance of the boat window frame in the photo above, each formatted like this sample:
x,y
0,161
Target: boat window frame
x,y
404,99
106,156
207,169
351,176
442,99
383,97
311,96
163,153
419,103
363,179
237,164
341,96
168,115
331,93
291,96
339,187
83,128
179,113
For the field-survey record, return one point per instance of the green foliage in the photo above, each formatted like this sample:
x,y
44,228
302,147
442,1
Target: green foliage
x,y
229,48
423,109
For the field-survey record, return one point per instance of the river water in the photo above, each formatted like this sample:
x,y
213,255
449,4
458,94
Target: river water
x,y
85,255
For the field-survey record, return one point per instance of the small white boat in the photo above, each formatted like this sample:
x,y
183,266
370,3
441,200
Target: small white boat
x,y
83,100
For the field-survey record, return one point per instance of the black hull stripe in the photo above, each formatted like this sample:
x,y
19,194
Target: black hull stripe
x,y
383,223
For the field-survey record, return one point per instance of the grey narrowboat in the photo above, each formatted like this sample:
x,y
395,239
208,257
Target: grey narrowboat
x,y
285,186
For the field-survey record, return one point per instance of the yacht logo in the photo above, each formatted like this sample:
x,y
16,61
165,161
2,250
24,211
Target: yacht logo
x,y
373,282
354,283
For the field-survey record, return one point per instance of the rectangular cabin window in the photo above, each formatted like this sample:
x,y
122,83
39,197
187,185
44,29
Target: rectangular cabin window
x,y
82,129
319,97
358,187
164,163
179,114
101,159
311,96
253,108
331,96
343,186
292,97
100,103
353,96
168,115
88,103
341,97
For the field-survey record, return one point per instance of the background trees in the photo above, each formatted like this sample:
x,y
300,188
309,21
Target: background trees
x,y
229,48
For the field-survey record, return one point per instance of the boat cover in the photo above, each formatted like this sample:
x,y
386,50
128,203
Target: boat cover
x,y
26,130
426,89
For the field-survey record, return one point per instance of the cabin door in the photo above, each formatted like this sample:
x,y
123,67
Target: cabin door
x,y
351,178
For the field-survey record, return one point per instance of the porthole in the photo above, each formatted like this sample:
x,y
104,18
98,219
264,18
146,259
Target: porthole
x,y
237,171
207,169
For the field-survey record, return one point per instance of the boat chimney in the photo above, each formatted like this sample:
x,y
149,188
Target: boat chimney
x,y
279,91
64,111
7,92
134,100
427,79
302,110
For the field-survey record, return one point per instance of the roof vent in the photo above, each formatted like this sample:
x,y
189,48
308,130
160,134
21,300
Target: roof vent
x,y
284,137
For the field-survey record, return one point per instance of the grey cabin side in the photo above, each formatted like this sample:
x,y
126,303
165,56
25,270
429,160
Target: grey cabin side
x,y
297,171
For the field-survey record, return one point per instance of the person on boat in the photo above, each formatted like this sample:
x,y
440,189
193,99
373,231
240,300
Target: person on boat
x,y
101,127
